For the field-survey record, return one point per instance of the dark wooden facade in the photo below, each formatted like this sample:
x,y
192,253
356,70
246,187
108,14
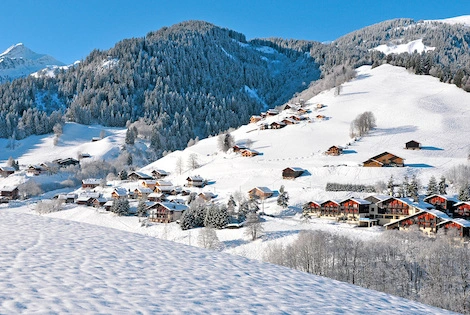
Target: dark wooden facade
x,y
442,203
249,153
427,221
330,208
385,159
292,172
462,210
413,145
260,193
9,193
462,230
165,212
334,151
159,174
277,125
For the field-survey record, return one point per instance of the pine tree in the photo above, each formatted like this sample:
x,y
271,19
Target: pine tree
x,y
432,187
123,175
283,198
442,187
231,204
390,186
414,189
216,217
141,208
130,136
187,220
120,207
464,192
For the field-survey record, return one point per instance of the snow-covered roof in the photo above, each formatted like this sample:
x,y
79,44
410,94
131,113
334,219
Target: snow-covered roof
x,y
264,189
446,197
108,203
89,195
148,182
163,183
462,203
91,181
155,195
7,168
359,201
120,191
144,190
208,194
161,172
141,175
296,169
8,189
381,198
173,206
195,178
459,221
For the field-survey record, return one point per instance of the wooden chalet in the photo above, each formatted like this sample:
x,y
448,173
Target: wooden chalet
x,y
298,118
277,125
99,202
119,193
330,208
167,190
207,196
156,197
67,198
149,183
159,174
313,208
260,193
264,126
442,202
413,145
6,171
138,176
354,208
166,212
238,148
459,226
255,118
289,121
392,209
319,106
292,172
384,159
9,193
195,181
108,204
302,111
35,170
86,199
142,192
272,112
320,117
66,162
426,220
84,156
249,152
90,183
462,210
334,151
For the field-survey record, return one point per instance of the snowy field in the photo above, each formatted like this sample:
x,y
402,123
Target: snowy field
x,y
51,266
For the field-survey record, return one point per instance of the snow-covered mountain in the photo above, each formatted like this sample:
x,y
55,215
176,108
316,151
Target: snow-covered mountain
x,y
19,61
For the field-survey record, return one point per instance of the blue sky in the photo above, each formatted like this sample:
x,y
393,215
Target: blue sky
x,y
70,29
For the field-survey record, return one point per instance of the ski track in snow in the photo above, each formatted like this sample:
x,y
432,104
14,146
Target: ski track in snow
x,y
54,266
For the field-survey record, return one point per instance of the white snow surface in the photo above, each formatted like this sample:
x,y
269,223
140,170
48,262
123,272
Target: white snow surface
x,y
416,45
464,19
56,266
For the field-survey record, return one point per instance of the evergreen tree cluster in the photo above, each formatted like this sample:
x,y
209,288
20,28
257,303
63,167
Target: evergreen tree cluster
x,y
120,207
349,187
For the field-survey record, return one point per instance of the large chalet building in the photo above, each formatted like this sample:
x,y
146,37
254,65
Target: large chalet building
x,y
384,159
166,212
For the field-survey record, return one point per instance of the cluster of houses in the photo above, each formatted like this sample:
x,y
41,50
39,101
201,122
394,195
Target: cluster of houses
x,y
384,159
297,114
435,212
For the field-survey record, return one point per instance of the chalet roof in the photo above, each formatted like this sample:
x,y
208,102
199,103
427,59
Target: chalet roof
x,y
195,178
412,141
328,200
272,111
357,200
437,213
250,150
35,167
266,190
280,123
166,188
91,181
295,169
208,194
462,203
161,172
141,175
379,198
9,189
173,206
101,199
155,195
144,190
292,121
459,221
108,203
84,198
7,168
256,116
163,183
446,197
239,146
383,154
148,182
120,191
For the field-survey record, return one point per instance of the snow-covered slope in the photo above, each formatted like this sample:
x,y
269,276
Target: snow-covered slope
x,y
416,45
55,266
464,19
19,61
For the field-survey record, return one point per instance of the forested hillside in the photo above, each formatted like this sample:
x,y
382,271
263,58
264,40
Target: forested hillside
x,y
190,80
